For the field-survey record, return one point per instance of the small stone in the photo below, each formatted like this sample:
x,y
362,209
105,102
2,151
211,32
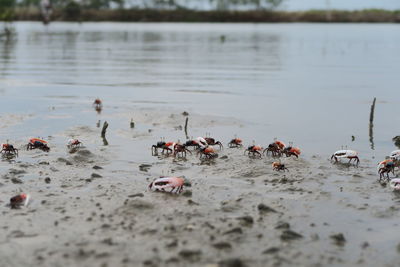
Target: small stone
x,y
144,167
15,180
236,230
47,180
192,255
232,263
282,225
271,250
289,235
264,208
339,239
185,113
136,195
95,175
187,193
97,167
224,157
246,220
222,245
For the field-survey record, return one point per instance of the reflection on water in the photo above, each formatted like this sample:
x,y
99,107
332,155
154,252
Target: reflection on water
x,y
310,83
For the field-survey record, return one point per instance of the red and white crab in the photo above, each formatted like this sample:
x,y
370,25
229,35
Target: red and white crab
x,y
395,155
8,150
163,183
74,143
19,200
347,154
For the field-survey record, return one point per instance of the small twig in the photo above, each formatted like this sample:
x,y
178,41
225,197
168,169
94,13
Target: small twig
x,y
186,124
371,115
371,124
103,131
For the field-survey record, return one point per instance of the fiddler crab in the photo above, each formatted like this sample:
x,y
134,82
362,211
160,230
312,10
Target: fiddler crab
x,y
292,151
395,155
236,142
98,105
208,152
275,148
278,166
9,150
165,146
37,143
348,154
74,143
178,148
19,200
163,183
253,151
212,142
385,166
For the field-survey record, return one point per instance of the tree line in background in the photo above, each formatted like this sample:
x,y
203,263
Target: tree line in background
x,y
151,4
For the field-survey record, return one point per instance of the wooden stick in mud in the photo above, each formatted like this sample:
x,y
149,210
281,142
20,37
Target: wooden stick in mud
x,y
186,124
103,131
371,115
371,124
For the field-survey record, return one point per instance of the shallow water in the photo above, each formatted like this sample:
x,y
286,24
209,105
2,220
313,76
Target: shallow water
x,y
307,83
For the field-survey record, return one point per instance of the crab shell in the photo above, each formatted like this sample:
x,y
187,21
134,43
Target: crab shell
x,y
170,144
256,148
276,164
201,140
395,184
280,144
236,141
345,153
209,150
295,150
21,199
384,163
167,182
395,155
33,140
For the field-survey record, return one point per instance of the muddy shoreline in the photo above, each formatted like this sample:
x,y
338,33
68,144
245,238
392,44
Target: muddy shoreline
x,y
93,208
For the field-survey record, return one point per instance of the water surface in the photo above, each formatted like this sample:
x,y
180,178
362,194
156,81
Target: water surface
x,y
307,83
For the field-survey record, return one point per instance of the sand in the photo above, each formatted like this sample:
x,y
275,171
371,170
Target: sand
x,y
93,208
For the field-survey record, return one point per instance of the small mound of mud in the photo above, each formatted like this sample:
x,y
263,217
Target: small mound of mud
x,y
83,156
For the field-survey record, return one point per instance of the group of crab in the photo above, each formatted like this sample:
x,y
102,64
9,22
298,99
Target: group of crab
x,y
9,150
205,148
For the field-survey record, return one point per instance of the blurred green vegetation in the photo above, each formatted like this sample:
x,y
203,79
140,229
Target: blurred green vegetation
x,y
187,11
7,10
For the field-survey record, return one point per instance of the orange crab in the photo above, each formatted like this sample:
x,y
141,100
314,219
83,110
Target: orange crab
x,y
292,151
208,152
277,166
236,142
254,150
9,150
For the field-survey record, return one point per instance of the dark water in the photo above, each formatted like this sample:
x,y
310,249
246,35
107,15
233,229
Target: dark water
x,y
312,84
